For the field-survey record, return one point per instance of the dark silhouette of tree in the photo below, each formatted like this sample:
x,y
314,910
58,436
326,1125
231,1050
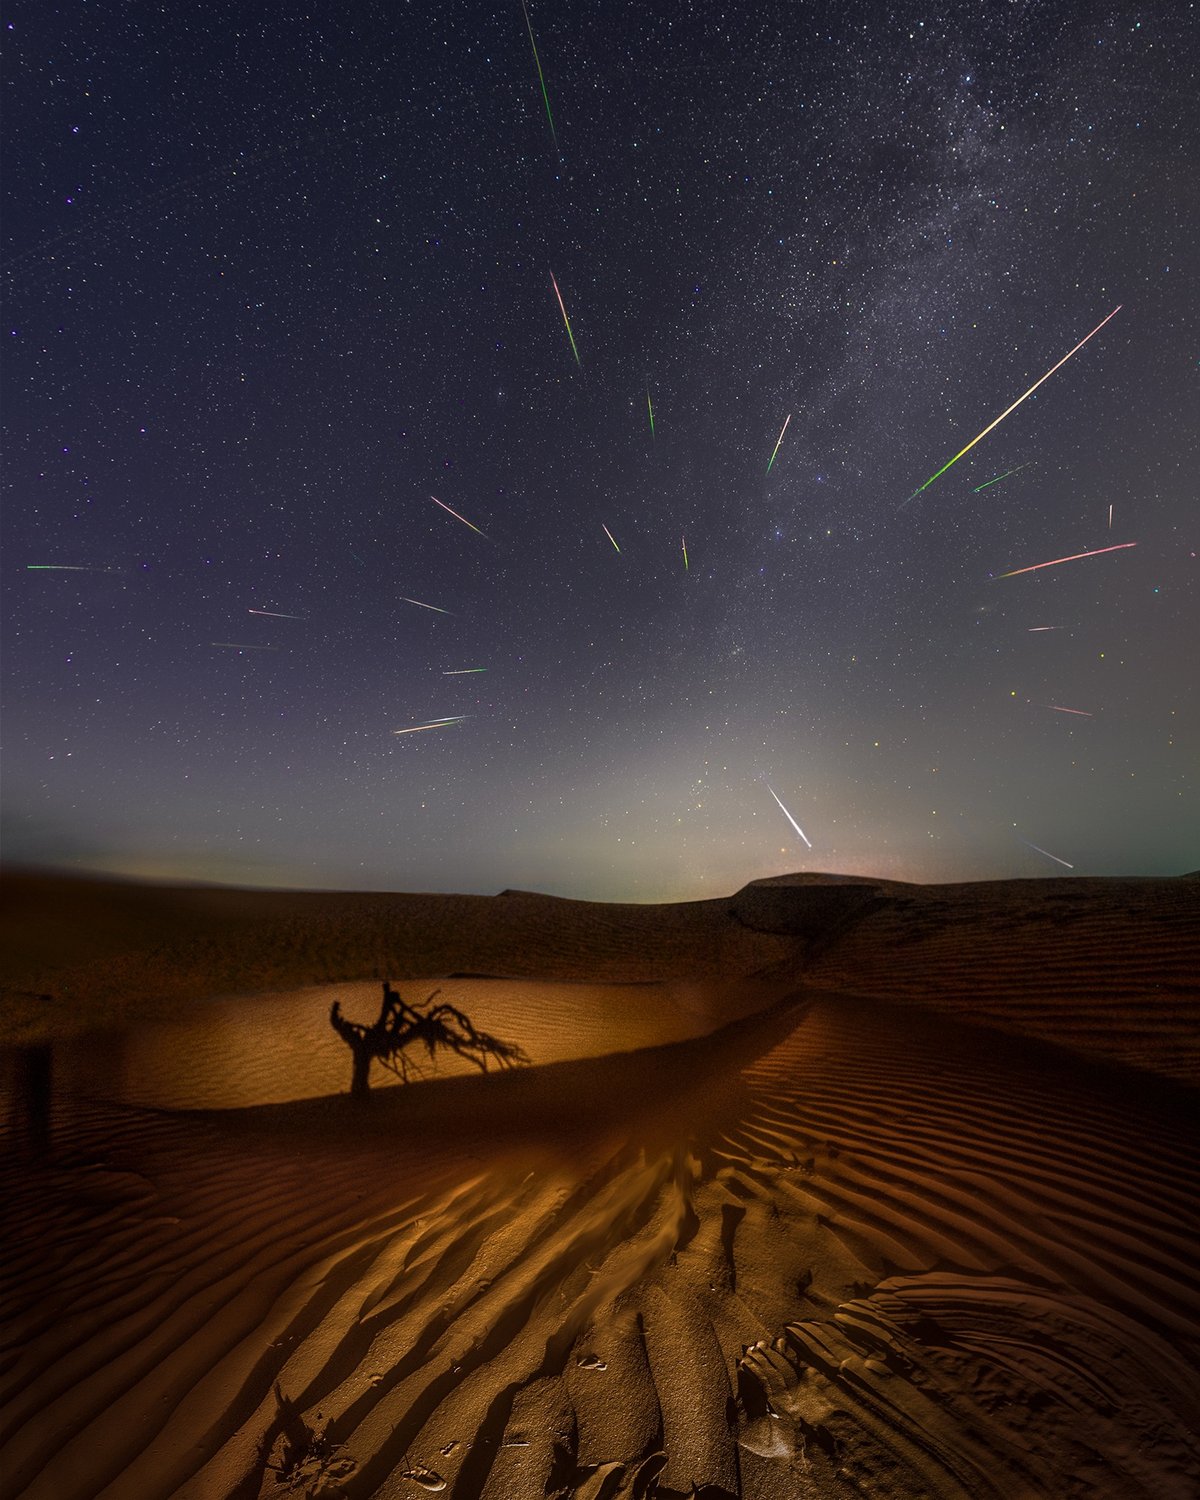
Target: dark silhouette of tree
x,y
400,1027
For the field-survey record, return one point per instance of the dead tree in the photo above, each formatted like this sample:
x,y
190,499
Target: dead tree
x,y
400,1027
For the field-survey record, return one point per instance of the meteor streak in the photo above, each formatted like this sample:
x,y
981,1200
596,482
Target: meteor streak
x,y
63,568
1074,557
951,461
999,477
771,460
433,724
566,320
1046,852
463,671
457,517
789,817
610,536
239,646
683,543
1110,518
1082,712
541,79
418,602
274,614
650,406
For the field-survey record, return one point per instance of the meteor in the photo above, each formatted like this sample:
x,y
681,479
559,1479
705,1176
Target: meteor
x,y
1110,518
274,614
1082,712
239,646
789,817
457,517
1046,852
1074,557
418,602
566,320
683,543
999,477
778,440
433,724
650,405
541,79
609,535
63,568
463,671
950,462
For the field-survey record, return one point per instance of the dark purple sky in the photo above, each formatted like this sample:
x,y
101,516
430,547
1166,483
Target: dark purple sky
x,y
276,275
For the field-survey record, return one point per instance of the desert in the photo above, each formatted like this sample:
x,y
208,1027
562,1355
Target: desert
x,y
829,1187
599,891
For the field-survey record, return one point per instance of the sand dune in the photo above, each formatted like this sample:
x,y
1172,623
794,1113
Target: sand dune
x,y
1109,968
76,954
834,1247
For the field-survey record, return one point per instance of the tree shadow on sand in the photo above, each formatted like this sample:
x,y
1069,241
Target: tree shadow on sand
x,y
401,1027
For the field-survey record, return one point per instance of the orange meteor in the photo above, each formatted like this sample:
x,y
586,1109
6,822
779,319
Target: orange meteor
x,y
1074,557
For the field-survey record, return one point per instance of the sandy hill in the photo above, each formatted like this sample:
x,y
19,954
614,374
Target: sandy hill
x,y
1109,967
841,1244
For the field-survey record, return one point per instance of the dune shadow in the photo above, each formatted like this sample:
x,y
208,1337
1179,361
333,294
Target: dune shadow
x,y
32,1093
650,1094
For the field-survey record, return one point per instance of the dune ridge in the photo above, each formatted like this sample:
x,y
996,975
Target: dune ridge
x,y
1109,968
1104,966
78,953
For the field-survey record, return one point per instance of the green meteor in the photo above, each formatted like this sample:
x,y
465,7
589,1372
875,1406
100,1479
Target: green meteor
x,y
683,542
541,79
779,440
999,477
950,462
434,724
650,406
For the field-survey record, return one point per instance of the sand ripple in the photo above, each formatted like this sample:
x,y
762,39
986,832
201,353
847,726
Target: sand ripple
x,y
837,1250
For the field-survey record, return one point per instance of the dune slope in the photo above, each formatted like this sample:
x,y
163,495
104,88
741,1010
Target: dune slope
x,y
820,1254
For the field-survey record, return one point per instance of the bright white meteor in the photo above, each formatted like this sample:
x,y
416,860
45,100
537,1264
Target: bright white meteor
x,y
789,817
1046,852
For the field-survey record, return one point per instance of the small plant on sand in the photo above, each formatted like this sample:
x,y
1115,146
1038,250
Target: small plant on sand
x,y
303,1458
401,1027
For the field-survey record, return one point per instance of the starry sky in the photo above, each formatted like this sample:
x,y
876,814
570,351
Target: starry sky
x,y
277,275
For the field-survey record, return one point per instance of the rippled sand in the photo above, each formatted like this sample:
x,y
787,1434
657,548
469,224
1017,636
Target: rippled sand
x,y
836,1247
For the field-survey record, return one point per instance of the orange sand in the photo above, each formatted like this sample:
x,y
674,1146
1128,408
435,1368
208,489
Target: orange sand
x,y
843,1244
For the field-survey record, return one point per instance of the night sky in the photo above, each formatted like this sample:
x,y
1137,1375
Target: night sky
x,y
277,274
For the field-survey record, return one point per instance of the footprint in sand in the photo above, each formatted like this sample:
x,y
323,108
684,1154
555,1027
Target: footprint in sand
x,y
427,1479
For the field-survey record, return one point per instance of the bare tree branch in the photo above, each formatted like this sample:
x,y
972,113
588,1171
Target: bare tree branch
x,y
400,1026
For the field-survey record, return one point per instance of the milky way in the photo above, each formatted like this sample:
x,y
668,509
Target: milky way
x,y
277,277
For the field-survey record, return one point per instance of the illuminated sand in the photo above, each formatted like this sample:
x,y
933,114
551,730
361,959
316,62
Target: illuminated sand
x,y
840,1247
